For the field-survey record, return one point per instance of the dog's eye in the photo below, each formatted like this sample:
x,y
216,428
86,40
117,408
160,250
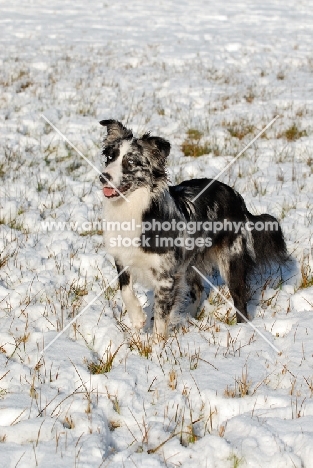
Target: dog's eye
x,y
107,158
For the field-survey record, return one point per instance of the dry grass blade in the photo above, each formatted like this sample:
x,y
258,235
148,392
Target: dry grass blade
x,y
104,364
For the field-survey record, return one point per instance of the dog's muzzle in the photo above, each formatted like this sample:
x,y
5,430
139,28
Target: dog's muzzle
x,y
109,191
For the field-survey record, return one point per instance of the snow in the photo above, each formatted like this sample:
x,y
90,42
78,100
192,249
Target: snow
x,y
215,394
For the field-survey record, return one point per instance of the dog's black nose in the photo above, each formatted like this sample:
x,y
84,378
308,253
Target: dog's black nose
x,y
104,177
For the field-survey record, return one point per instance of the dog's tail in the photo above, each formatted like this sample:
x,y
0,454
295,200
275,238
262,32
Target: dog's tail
x,y
268,239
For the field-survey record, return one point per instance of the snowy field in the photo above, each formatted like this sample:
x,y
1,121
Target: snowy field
x,y
208,77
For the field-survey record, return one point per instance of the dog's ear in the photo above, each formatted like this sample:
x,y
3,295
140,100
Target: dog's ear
x,y
116,131
163,146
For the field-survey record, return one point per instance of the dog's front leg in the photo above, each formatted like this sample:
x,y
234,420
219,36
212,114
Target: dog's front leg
x,y
133,307
165,298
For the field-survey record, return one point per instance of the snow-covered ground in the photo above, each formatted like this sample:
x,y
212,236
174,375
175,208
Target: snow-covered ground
x,y
216,394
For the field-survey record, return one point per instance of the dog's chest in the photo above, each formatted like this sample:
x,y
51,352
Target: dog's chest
x,y
123,232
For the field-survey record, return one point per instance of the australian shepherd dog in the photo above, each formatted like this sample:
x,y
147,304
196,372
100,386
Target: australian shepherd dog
x,y
163,235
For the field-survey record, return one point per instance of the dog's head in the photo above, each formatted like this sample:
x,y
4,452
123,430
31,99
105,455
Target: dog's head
x,y
131,162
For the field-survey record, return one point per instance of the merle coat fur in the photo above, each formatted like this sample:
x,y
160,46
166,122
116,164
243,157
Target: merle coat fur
x,y
135,187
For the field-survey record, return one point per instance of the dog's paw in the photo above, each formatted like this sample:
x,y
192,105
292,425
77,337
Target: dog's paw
x,y
157,338
139,320
160,331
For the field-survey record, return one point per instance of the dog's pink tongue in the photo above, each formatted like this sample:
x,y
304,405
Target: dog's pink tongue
x,y
109,191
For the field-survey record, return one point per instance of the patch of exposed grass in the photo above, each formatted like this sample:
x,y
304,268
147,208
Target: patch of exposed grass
x,y
2,170
249,96
94,232
3,261
229,318
100,366
73,167
306,277
292,133
78,291
144,347
68,423
236,461
104,364
13,224
192,145
240,129
24,85
40,186
280,75
241,387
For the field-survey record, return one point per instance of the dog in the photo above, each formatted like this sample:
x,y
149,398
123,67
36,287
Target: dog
x,y
161,232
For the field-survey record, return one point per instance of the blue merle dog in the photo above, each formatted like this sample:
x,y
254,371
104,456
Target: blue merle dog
x,y
158,249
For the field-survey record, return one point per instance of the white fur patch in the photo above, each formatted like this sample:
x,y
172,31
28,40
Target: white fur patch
x,y
134,309
160,329
140,263
114,169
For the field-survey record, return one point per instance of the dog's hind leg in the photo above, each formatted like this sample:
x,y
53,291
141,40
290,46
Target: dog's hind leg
x,y
195,289
167,296
234,264
132,304
237,285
